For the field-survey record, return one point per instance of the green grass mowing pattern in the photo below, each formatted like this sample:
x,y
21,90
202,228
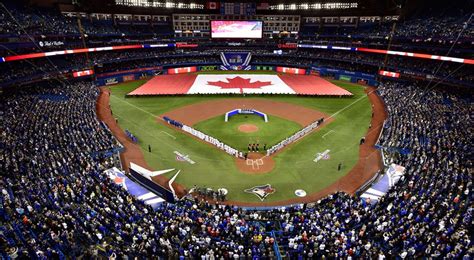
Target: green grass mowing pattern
x,y
294,167
270,133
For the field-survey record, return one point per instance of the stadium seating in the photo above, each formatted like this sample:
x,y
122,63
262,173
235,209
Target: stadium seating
x,y
66,207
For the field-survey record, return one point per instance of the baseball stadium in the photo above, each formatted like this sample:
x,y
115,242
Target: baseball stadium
x,y
236,130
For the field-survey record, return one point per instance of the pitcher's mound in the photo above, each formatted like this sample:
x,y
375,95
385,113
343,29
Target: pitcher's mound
x,y
248,128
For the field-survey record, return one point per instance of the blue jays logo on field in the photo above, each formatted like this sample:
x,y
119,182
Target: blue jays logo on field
x,y
261,191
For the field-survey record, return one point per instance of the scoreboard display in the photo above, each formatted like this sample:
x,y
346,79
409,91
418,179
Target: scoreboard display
x,y
236,29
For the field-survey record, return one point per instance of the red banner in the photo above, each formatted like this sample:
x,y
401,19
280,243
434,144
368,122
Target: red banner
x,y
213,5
182,70
83,73
186,45
288,46
389,74
291,70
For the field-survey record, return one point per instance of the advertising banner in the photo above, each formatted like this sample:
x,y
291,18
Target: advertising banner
x,y
389,74
291,70
182,70
83,73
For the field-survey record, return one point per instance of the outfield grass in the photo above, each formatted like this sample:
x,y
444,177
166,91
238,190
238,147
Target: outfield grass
x,y
269,133
294,167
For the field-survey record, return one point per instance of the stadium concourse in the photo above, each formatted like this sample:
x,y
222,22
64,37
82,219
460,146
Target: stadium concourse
x,y
58,202
239,84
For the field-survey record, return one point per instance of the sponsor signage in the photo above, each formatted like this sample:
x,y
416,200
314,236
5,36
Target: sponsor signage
x,y
208,68
300,193
83,73
129,77
390,74
291,70
182,70
186,45
111,81
50,43
288,46
346,78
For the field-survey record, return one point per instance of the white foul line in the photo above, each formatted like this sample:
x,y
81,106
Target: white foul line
x,y
346,107
172,136
328,133
132,105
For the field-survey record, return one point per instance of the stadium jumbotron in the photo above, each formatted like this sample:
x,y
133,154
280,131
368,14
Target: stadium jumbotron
x,y
236,129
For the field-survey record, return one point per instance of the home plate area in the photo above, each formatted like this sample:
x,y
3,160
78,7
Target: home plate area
x,y
182,84
256,163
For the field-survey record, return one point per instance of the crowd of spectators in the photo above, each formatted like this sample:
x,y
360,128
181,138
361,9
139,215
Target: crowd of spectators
x,y
26,21
55,201
436,27
439,28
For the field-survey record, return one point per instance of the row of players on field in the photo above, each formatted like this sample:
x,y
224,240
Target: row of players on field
x,y
252,147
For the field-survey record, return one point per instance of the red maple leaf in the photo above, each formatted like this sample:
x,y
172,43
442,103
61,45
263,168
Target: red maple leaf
x,y
269,190
239,83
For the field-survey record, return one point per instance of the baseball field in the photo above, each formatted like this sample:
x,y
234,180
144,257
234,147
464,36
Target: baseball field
x,y
315,164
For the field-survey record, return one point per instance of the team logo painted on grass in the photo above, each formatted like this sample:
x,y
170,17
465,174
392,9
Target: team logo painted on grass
x,y
322,156
261,191
300,193
183,158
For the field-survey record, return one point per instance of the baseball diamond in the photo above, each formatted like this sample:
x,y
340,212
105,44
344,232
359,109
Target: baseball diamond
x,y
292,167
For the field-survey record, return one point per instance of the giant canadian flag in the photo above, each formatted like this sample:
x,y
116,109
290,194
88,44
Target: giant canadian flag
x,y
189,83
239,83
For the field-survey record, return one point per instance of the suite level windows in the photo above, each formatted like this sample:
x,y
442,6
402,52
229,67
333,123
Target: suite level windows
x,y
316,6
159,4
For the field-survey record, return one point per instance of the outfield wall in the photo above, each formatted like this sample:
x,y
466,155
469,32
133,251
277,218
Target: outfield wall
x,y
136,74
